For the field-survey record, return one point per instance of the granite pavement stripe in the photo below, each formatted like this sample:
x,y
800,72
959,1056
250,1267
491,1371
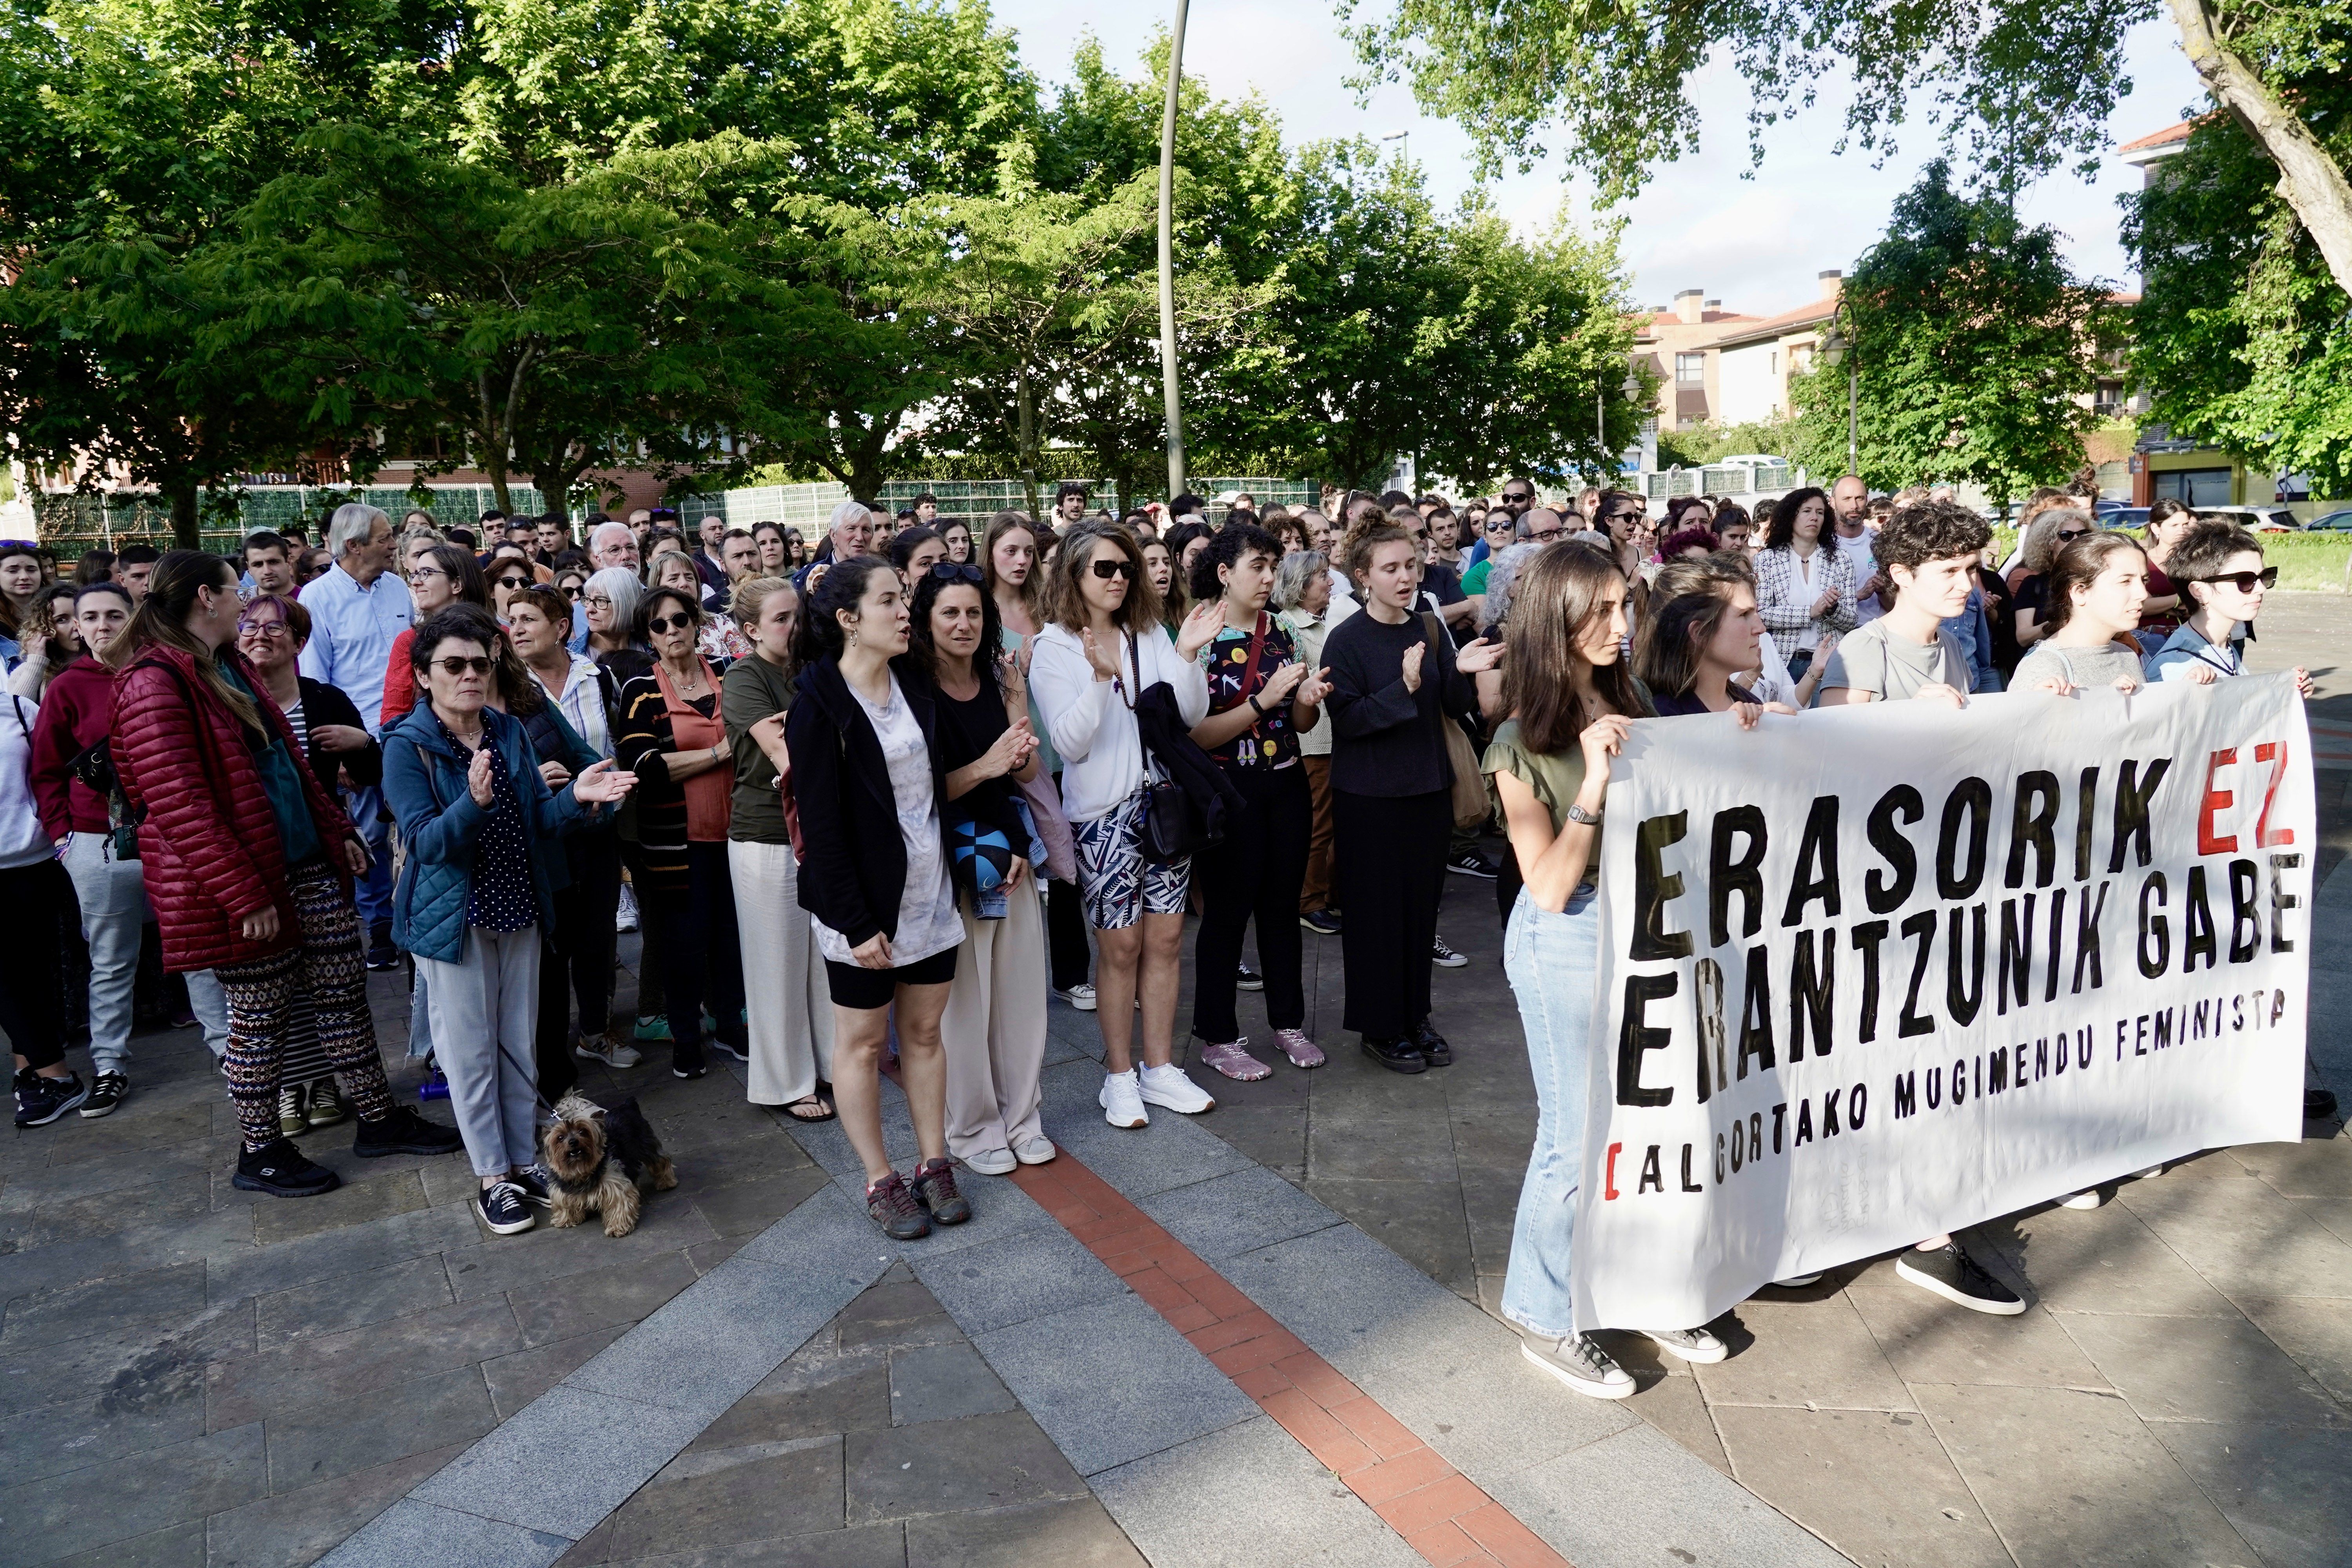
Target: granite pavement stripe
x,y
568,1459
410,1533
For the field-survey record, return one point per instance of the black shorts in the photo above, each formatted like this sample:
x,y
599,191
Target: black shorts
x,y
855,986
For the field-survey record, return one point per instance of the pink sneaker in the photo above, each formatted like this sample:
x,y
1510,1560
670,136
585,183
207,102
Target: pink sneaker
x,y
1233,1059
1302,1051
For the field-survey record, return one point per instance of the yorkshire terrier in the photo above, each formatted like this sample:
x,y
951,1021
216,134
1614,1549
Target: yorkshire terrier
x,y
604,1161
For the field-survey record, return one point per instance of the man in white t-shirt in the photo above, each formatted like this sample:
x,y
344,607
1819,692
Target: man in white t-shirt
x,y
1850,506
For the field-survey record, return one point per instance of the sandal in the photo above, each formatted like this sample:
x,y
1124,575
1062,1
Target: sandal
x,y
799,1109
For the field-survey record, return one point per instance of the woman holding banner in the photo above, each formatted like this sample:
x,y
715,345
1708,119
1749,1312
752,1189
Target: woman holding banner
x,y
1570,697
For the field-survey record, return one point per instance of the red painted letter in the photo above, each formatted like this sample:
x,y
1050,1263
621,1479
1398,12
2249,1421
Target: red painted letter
x,y
1609,1181
2215,800
2275,754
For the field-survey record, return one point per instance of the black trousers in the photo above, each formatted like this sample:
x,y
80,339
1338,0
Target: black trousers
x,y
699,939
1065,932
579,956
1390,856
650,964
1257,871
40,897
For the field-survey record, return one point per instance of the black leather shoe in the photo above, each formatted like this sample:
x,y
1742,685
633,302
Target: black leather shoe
x,y
1432,1046
1397,1056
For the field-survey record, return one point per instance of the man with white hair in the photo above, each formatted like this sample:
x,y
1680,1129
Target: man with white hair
x,y
357,609
612,544
851,533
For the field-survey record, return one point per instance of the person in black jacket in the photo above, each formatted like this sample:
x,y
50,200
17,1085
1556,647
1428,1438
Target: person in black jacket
x,y
1393,683
867,784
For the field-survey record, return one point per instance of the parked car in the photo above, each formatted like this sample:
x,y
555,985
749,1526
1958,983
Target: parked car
x,y
2123,517
2255,519
2334,522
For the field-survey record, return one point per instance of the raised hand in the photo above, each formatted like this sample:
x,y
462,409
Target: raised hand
x,y
477,775
1315,689
1104,659
1281,684
1478,657
602,784
1411,671
1199,629
1601,740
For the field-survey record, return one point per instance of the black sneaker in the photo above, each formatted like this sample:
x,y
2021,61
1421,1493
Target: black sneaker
x,y
1443,956
1397,1056
1952,1274
533,1180
2318,1104
682,1066
1322,923
934,1183
1432,1044
280,1170
502,1208
1249,979
404,1132
107,1091
381,953
1470,863
41,1100
894,1208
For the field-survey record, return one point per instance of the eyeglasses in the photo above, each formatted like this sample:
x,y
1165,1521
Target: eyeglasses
x,y
2244,582
2066,534
680,621
957,572
417,573
594,601
1106,570
263,629
454,665
1544,535
514,583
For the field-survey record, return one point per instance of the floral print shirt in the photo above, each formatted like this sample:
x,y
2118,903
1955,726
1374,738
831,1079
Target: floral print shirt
x,y
1271,741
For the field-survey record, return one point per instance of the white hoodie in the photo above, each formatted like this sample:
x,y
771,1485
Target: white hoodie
x,y
1092,722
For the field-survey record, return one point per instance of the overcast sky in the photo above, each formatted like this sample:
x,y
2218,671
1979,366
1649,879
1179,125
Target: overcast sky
x,y
1755,244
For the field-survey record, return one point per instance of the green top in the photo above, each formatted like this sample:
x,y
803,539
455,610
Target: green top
x,y
754,690
296,832
1556,780
1475,580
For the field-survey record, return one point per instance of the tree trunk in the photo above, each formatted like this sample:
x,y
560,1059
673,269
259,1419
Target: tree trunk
x,y
2309,178
187,532
1028,436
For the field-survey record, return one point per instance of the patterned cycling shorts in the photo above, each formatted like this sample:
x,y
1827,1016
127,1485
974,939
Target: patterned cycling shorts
x,y
1119,886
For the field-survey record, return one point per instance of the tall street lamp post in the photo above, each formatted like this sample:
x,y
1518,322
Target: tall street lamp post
x,y
1838,350
1168,388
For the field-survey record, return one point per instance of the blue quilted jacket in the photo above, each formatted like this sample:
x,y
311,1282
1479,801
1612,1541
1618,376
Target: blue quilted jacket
x,y
425,783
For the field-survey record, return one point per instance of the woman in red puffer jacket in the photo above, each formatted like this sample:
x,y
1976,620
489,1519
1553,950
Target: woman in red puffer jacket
x,y
248,865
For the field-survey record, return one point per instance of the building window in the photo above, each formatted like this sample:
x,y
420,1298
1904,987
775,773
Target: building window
x,y
1690,370
1775,361
2197,487
2108,399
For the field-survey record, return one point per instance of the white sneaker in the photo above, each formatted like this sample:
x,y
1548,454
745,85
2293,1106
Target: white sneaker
x,y
1691,1344
1581,1364
2088,1198
1081,997
1038,1151
1796,1281
1122,1100
2149,1174
625,916
990,1161
1172,1087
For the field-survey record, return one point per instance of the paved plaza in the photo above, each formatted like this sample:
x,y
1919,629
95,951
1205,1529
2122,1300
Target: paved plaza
x,y
1265,1336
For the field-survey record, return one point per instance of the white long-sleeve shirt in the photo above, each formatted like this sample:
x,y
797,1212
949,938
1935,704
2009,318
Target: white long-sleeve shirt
x,y
1092,722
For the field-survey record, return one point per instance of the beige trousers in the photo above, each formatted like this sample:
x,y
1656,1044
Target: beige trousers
x,y
994,1027
783,977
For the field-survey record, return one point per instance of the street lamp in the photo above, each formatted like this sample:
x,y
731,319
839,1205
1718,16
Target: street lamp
x,y
1836,350
1168,388
1405,151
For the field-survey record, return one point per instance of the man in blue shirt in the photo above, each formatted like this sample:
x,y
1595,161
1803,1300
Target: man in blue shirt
x,y
357,608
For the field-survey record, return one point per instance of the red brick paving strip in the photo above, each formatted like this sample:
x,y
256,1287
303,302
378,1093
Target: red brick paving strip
x,y
1441,1513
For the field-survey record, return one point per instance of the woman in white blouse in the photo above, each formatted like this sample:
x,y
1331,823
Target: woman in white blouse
x,y
1805,590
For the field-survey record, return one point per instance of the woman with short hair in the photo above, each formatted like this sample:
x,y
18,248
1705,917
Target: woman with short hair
x,y
867,784
788,1012
439,575
248,865
478,819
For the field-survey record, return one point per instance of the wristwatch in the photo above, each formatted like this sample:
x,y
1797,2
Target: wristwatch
x,y
1578,813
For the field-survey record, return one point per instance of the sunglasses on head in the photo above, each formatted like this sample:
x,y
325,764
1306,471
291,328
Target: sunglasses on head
x,y
2245,582
453,664
1106,570
681,622
954,572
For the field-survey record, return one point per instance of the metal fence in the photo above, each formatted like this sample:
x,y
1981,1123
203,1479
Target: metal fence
x,y
809,508
72,523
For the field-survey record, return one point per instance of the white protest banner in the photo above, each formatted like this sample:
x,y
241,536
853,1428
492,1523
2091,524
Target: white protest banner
x,y
1868,974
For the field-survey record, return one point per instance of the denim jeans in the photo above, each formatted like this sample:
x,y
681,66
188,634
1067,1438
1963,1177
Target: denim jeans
x,y
372,892
113,897
1552,960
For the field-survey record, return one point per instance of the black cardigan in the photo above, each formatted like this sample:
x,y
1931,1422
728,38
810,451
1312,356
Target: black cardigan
x,y
325,704
1385,740
853,868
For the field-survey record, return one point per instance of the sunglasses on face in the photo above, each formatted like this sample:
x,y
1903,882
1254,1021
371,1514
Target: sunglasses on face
x,y
514,583
454,665
680,621
2066,533
954,572
1514,498
2246,582
573,594
1106,570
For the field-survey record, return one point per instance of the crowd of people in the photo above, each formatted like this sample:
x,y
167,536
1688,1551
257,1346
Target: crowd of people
x,y
871,800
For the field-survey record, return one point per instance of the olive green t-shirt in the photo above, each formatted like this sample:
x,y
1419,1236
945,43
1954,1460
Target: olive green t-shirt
x,y
1556,780
754,690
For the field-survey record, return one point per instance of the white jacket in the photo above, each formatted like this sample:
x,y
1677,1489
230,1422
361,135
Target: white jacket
x,y
1092,722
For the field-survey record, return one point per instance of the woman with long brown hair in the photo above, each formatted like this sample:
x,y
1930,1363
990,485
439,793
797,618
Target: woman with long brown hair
x,y
1570,699
248,866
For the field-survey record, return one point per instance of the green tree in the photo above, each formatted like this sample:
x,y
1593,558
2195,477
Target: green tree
x,y
2025,87
2241,336
1976,351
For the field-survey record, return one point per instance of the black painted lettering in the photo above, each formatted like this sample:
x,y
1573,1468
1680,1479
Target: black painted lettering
x,y
2197,935
2029,825
1689,1185
1636,1037
1921,928
1817,865
2246,923
1756,1014
2087,813
1779,1116
2132,800
1906,1093
1890,891
1857,1103
2155,931
1964,966
2016,971
1707,1003
1804,1124
1967,809
1652,1180
1727,873
2282,901
2086,939
1867,938
1811,993
2057,942
1655,888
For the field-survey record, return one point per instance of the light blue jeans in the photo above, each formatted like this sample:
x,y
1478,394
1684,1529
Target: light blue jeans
x,y
113,896
1552,961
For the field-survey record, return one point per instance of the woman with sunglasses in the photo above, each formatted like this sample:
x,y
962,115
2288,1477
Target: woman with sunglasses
x,y
475,893
1104,649
331,737
674,738
870,787
789,1013
510,573
439,575
248,864
995,1025
719,639
2221,569
2052,531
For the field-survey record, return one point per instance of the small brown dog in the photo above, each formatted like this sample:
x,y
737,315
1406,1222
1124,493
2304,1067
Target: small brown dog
x,y
603,1160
